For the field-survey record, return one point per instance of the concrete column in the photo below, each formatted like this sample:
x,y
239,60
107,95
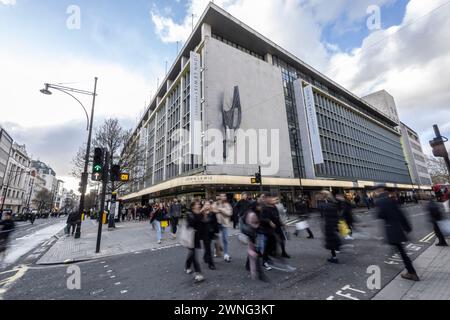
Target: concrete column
x,y
184,61
169,84
206,31
268,58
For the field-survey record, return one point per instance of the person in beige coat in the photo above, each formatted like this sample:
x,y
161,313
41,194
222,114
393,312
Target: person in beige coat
x,y
224,213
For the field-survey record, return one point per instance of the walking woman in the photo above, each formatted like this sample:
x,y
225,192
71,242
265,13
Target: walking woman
x,y
211,229
301,210
328,206
159,216
194,221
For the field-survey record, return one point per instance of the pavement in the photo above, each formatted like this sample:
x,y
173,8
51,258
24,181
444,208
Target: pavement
x,y
128,237
433,268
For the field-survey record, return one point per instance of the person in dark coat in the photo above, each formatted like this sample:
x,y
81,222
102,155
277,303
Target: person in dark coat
x,y
243,205
435,214
268,225
194,221
7,227
210,228
396,228
329,207
301,209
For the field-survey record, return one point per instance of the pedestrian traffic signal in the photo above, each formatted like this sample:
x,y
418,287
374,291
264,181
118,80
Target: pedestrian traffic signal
x,y
97,167
115,173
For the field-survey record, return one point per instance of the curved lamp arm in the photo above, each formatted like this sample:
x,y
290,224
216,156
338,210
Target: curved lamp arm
x,y
87,116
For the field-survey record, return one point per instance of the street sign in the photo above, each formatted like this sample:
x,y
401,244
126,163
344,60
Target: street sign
x,y
124,177
254,181
97,177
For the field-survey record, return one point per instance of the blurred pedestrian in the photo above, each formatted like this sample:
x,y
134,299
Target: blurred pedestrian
x,y
436,216
329,207
268,226
242,206
224,213
396,227
194,221
301,210
345,207
281,232
8,226
250,226
174,214
211,229
159,217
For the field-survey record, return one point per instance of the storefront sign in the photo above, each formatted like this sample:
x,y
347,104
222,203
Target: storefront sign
x,y
195,103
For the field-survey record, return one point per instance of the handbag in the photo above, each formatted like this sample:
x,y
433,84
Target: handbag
x,y
302,225
344,230
187,237
444,226
164,224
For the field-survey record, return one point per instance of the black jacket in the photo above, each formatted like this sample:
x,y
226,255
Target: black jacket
x,y
194,221
301,207
331,216
243,206
434,211
396,223
269,214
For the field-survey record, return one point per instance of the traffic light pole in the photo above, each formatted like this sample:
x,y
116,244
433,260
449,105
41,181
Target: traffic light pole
x,y
102,200
260,180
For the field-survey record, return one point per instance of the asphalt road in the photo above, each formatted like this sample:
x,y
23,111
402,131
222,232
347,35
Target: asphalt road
x,y
154,275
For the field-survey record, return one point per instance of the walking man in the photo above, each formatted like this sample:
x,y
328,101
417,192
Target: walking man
x,y
396,225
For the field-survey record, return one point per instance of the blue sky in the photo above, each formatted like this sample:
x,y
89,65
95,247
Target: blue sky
x,y
121,31
126,43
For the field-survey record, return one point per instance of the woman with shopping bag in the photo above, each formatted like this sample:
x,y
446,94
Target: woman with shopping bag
x,y
190,237
160,221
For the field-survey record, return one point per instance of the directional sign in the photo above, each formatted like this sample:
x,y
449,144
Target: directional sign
x,y
254,181
96,177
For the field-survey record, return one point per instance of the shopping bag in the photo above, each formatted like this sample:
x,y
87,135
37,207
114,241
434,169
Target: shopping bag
x,y
344,230
444,226
164,224
302,225
187,237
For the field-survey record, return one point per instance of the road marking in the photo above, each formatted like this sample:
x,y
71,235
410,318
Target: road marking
x,y
123,291
117,283
428,237
8,282
112,277
109,271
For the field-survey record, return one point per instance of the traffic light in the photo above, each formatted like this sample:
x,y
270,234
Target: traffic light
x,y
258,177
115,173
97,167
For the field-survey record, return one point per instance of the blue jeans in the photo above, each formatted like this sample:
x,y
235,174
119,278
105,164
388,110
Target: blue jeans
x,y
224,231
157,225
260,242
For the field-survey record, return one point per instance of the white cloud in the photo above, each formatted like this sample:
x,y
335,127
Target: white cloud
x,y
121,93
411,61
8,2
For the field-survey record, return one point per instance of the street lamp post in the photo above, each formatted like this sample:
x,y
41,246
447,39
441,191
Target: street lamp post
x,y
90,121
